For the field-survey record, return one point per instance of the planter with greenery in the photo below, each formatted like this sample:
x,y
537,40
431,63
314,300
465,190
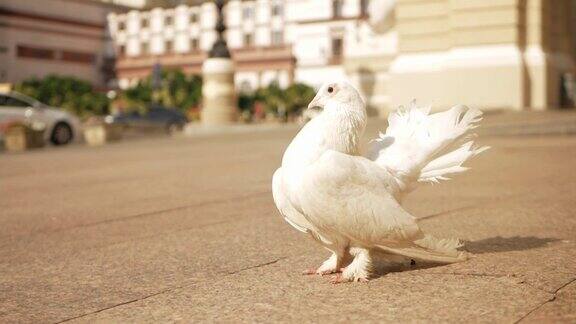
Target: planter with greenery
x,y
21,136
98,132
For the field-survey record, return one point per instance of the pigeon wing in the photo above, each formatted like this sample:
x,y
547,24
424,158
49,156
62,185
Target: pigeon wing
x,y
349,195
291,215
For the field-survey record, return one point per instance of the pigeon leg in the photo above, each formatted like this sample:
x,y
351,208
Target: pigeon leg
x,y
359,270
333,264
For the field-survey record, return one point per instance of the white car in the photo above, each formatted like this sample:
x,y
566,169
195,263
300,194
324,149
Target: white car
x,y
60,126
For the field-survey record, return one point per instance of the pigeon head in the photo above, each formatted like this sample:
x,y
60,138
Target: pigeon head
x,y
340,93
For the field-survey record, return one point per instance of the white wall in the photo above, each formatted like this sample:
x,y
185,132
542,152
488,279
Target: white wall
x,y
316,76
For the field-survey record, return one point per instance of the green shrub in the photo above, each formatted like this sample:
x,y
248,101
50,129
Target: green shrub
x,y
177,90
278,101
72,94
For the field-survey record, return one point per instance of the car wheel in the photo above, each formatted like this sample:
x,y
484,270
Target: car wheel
x,y
61,134
174,128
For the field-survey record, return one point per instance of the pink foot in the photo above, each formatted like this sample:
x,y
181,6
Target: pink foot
x,y
328,272
338,279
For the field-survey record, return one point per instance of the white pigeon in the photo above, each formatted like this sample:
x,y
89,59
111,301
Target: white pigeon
x,y
382,15
350,204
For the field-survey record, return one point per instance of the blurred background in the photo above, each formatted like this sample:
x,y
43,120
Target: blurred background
x,y
140,62
138,139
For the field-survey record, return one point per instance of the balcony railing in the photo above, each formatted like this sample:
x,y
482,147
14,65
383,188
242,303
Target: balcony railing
x,y
246,59
172,59
262,53
252,54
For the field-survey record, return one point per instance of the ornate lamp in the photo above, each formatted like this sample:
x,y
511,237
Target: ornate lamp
x,y
220,49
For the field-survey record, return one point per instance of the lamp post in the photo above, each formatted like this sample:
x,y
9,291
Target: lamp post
x,y
156,82
218,94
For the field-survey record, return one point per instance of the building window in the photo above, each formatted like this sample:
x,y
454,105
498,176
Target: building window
x,y
36,52
144,23
277,37
193,18
144,48
121,50
168,47
276,9
247,13
337,46
363,8
337,8
78,57
168,21
194,44
121,26
246,87
248,40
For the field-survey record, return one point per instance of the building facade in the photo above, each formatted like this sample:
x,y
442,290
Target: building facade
x,y
491,54
67,37
139,4
271,40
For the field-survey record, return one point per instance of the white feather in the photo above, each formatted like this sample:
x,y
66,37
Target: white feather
x,y
419,146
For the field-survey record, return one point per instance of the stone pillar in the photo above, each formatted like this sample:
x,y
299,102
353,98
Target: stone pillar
x,y
218,94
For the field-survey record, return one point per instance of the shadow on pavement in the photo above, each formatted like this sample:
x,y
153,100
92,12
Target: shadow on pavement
x,y
490,245
507,244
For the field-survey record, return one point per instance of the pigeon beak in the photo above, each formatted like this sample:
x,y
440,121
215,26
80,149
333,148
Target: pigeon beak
x,y
316,102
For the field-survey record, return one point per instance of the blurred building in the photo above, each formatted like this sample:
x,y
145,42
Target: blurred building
x,y
491,54
128,3
271,40
67,37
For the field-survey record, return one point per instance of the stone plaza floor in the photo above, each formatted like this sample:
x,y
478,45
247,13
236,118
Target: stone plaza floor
x,y
185,229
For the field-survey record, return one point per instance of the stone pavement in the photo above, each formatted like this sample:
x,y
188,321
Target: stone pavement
x,y
159,230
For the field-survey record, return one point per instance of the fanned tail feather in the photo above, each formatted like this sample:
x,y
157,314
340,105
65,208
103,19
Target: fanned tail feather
x,y
432,249
427,147
449,163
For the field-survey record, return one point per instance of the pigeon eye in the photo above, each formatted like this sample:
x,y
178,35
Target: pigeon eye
x,y
330,89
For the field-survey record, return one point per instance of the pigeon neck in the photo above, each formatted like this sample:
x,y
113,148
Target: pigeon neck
x,y
345,126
